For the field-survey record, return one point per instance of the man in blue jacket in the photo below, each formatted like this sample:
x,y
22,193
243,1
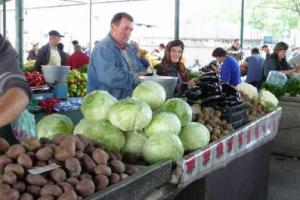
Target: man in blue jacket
x,y
230,69
114,65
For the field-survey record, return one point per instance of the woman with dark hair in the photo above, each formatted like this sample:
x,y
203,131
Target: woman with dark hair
x,y
277,61
171,64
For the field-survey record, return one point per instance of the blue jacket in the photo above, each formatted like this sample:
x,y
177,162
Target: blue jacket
x,y
230,71
108,69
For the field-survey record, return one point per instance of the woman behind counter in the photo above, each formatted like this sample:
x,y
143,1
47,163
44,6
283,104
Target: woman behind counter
x,y
171,64
277,61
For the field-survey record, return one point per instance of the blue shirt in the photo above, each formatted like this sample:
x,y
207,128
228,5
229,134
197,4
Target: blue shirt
x,y
230,71
110,70
255,68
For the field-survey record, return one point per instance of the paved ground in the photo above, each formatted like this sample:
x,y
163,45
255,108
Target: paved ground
x,y
284,182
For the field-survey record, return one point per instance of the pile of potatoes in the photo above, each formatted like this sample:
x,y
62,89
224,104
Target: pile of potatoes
x,y
211,118
85,168
254,108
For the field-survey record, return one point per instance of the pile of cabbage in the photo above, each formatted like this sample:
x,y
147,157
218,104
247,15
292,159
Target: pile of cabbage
x,y
145,125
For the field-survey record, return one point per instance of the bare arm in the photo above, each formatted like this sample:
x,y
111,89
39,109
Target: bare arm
x,y
12,103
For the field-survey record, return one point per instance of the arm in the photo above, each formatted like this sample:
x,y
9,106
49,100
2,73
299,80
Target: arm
x,y
12,103
41,53
244,67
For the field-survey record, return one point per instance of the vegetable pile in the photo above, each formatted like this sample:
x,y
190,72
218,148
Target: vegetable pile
x,y
34,78
85,167
77,82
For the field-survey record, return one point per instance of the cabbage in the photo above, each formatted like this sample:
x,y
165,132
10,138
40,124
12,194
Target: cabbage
x,y
160,147
130,114
96,105
180,108
107,135
248,90
193,136
134,143
53,124
81,126
150,92
164,122
268,100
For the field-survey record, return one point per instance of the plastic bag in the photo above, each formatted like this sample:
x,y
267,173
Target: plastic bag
x,y
276,78
24,126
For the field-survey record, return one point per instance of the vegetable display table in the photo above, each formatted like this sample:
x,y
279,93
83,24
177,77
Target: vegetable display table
x,y
288,138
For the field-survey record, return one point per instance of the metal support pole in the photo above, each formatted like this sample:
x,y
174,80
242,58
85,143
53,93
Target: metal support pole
x,y
242,24
90,31
19,30
177,9
4,19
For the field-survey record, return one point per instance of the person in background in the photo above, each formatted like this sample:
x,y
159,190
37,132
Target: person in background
x,y
196,65
74,43
15,93
114,65
78,58
64,55
230,69
49,54
253,67
33,52
171,65
265,51
141,54
277,61
235,50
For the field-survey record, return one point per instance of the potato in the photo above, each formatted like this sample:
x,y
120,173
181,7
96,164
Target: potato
x,y
73,166
100,156
4,145
34,190
48,197
89,149
102,169
19,186
79,144
68,196
101,182
114,178
67,187
40,163
53,190
79,154
25,161
31,144
117,166
66,149
73,181
6,192
85,187
88,163
58,175
114,155
37,179
9,177
4,160
1,170
14,151
85,175
16,168
44,153
83,139
44,140
58,138
26,196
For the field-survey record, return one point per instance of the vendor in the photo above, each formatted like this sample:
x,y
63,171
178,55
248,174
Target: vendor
x,y
50,54
277,61
114,65
171,64
14,90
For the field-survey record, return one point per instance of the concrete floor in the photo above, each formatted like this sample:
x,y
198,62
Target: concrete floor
x,y
284,182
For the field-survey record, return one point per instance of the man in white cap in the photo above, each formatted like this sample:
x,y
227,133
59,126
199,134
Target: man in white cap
x,y
49,54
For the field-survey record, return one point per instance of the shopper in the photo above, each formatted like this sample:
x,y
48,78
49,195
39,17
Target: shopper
x,y
230,69
33,52
78,58
49,54
14,90
253,67
114,65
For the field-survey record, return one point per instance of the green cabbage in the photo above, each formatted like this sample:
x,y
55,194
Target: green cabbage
x,y
193,136
180,108
54,124
96,105
159,147
164,122
104,133
150,92
134,143
81,126
268,100
130,114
